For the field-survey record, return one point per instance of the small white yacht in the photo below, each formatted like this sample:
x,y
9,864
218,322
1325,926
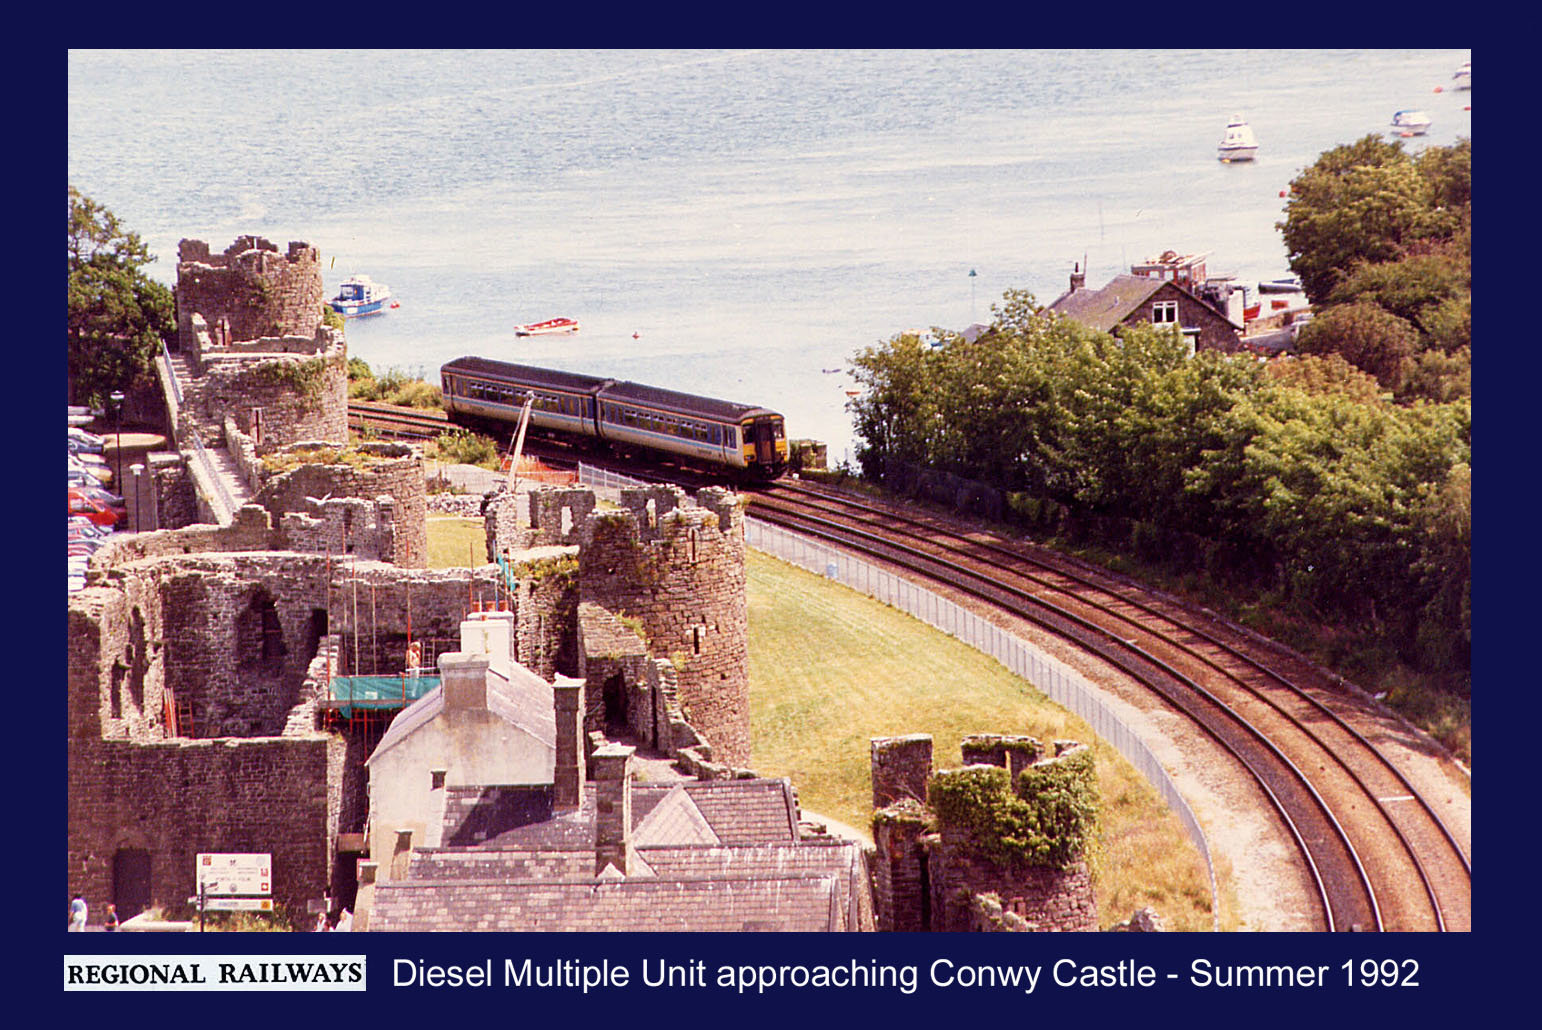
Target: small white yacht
x,y
1462,79
1411,123
1238,144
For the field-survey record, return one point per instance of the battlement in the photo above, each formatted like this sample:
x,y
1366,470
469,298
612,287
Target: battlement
x,y
1012,825
248,292
251,252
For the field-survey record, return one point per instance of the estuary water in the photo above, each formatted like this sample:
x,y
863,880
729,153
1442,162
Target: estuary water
x,y
738,223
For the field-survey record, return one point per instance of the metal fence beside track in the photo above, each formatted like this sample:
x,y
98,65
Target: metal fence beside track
x,y
1058,681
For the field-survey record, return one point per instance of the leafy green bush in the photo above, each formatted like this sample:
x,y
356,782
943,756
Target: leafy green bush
x,y
1046,821
463,447
415,394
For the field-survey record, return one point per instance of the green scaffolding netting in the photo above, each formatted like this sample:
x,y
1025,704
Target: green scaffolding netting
x,y
377,692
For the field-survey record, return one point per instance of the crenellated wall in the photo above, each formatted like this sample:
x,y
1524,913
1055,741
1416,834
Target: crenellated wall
x,y
680,572
251,287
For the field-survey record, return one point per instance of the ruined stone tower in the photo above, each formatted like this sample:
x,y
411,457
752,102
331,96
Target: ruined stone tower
x,y
251,288
680,573
999,844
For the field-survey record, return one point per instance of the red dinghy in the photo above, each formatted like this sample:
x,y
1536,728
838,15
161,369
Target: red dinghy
x,y
551,325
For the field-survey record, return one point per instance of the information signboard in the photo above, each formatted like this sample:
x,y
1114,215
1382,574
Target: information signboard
x,y
231,874
238,905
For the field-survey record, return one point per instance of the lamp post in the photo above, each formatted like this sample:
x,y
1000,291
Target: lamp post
x,y
117,407
971,294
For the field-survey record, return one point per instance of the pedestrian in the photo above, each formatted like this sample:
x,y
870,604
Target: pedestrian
x,y
111,922
321,922
77,914
344,922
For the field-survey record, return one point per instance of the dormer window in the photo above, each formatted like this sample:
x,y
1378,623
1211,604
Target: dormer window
x,y
1164,312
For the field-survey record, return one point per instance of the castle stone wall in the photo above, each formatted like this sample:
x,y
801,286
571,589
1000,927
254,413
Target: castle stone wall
x,y
680,572
251,286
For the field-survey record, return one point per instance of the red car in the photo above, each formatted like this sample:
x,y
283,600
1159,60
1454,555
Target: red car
x,y
98,511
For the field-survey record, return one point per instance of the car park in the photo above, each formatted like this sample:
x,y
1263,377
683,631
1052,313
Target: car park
x,y
83,479
98,511
86,442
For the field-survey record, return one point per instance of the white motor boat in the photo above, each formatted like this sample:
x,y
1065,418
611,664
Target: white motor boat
x,y
1411,123
1462,79
1238,144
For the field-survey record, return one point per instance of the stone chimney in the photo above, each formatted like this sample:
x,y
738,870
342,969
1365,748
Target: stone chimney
x,y
464,680
613,808
568,772
1078,278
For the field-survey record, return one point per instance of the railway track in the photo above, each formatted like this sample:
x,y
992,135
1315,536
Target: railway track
x,y
390,420
1376,850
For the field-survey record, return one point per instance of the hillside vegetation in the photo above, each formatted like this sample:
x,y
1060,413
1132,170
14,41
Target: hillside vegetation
x,y
1326,497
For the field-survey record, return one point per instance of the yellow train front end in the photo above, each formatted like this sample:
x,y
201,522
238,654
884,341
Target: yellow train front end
x,y
764,443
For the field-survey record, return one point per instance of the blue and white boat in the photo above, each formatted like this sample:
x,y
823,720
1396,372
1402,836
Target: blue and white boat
x,y
1411,123
360,295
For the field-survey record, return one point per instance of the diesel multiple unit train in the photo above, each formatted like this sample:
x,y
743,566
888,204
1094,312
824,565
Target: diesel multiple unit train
x,y
480,392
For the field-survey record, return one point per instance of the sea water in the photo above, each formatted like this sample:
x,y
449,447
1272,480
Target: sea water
x,y
736,224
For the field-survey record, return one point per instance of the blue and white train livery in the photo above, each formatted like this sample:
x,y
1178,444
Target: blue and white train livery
x,y
478,391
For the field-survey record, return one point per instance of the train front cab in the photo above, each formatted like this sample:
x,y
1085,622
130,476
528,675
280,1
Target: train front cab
x,y
765,445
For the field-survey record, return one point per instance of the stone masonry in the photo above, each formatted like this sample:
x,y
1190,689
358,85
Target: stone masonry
x,y
680,573
249,291
930,874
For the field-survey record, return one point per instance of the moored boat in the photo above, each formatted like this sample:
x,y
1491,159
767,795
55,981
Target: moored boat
x,y
360,295
1462,78
1238,144
548,327
1411,123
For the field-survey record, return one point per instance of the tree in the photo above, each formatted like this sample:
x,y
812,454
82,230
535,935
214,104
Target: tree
x,y
1360,202
1368,336
118,317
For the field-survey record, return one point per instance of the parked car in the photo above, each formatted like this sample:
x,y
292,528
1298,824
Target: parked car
x,y
97,493
89,463
79,524
80,440
83,479
98,511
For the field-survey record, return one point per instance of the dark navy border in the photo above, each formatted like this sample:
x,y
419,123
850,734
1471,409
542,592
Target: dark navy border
x,y
1470,976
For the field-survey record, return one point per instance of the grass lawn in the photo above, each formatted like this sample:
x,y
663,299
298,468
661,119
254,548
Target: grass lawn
x,y
830,668
453,542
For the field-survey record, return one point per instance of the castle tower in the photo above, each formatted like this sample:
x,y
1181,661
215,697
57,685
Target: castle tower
x,y
251,288
680,572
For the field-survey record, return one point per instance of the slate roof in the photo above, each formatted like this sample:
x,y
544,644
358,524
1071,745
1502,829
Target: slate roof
x,y
790,903
732,812
520,698
1103,309
718,855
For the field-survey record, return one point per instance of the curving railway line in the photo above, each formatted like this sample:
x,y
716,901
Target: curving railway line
x,y
1377,851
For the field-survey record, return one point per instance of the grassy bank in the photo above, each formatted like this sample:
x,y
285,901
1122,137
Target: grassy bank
x,y
453,542
830,669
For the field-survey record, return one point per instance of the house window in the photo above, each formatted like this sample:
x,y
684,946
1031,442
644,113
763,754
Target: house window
x,y
1164,312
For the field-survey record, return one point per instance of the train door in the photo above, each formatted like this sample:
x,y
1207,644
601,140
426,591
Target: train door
x,y
765,441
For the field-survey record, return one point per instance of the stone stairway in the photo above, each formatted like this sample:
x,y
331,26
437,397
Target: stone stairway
x,y
215,472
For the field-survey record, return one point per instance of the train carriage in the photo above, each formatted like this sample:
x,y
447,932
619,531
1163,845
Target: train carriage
x,y
724,434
